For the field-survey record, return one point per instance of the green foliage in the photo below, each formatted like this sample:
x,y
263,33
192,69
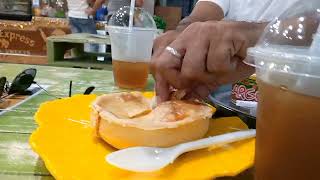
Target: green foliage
x,y
160,22
60,14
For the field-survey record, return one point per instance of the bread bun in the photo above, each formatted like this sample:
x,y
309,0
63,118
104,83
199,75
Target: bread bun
x,y
127,119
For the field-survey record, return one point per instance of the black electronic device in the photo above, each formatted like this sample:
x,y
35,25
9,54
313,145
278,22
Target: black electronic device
x,y
19,10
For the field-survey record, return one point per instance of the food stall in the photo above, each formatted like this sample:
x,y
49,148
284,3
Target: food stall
x,y
25,27
23,35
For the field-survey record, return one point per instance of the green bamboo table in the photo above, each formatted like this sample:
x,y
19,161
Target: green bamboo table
x,y
17,160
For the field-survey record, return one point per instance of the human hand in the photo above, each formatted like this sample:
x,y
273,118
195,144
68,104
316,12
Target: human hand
x,y
212,54
162,41
90,11
159,45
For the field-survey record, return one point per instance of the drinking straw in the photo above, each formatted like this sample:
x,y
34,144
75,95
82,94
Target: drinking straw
x,y
132,6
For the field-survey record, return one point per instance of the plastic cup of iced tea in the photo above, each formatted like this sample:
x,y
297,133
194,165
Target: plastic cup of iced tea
x,y
287,63
131,48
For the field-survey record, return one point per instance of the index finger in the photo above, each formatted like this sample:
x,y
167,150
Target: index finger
x,y
162,89
171,70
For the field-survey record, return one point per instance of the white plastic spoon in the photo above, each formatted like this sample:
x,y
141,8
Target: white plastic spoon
x,y
146,159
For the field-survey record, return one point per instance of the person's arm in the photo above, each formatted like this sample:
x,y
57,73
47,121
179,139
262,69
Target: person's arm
x,y
97,4
203,11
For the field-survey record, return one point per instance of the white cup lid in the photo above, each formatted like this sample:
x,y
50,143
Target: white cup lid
x,y
141,18
291,43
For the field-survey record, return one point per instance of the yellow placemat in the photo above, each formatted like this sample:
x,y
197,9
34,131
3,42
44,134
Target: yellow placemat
x,y
66,143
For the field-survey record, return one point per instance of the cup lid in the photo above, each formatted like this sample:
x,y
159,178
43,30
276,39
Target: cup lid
x,y
291,42
142,19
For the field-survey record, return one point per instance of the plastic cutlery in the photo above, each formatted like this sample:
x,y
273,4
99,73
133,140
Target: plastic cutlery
x,y
146,159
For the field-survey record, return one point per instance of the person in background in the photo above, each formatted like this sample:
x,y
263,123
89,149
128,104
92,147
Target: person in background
x,y
218,47
81,18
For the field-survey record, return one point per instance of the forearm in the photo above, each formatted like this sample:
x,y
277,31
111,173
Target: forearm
x,y
98,4
243,35
252,31
203,11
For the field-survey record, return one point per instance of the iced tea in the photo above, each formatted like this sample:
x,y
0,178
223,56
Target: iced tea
x,y
288,134
130,75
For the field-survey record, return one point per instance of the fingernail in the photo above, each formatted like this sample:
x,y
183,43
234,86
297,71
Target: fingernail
x,y
154,102
158,99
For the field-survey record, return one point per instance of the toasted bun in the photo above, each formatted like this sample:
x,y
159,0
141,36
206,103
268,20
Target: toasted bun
x,y
126,120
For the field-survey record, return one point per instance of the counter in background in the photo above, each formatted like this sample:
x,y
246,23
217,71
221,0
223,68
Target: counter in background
x,y
25,41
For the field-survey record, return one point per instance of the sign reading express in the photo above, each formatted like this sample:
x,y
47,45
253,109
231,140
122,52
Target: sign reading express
x,y
29,42
12,36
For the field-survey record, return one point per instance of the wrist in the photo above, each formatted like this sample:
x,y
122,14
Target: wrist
x,y
241,35
251,31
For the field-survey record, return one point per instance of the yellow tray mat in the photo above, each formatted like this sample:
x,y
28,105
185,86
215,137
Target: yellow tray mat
x,y
66,143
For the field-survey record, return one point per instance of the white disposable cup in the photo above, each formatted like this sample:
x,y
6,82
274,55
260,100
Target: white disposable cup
x,y
131,45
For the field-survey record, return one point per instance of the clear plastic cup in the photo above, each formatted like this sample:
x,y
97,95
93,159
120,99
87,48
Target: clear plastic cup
x,y
288,75
131,48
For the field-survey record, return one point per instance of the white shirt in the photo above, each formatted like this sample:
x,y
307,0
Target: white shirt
x,y
253,10
76,8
